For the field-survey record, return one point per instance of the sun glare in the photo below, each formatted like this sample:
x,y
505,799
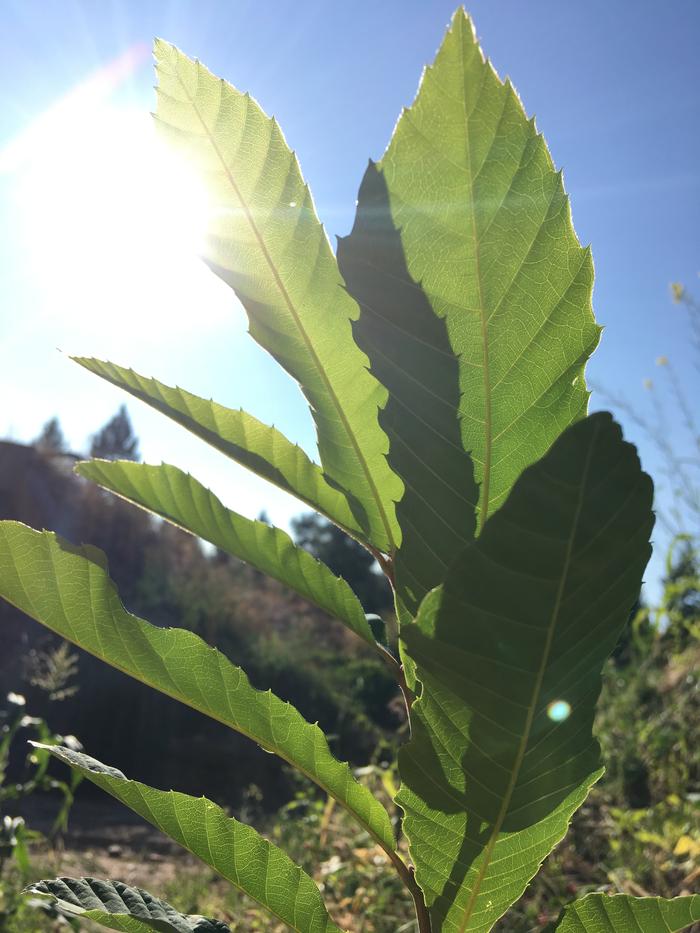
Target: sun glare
x,y
559,710
113,224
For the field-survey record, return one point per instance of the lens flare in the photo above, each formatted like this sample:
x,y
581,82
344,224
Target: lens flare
x,y
558,710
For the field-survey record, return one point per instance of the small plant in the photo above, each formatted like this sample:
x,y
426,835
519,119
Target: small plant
x,y
442,356
15,835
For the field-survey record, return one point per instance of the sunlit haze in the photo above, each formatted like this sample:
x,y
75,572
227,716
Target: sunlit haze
x,y
112,222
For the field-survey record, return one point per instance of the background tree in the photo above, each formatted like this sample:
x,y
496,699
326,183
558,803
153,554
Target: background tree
x,y
345,557
51,439
116,440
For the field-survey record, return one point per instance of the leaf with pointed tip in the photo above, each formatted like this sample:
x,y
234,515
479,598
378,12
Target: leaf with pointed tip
x,y
235,850
120,906
68,590
486,232
265,240
509,652
179,498
256,446
410,354
620,913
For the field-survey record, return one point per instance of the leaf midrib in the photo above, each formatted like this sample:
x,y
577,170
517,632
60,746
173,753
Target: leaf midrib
x,y
486,479
295,316
522,748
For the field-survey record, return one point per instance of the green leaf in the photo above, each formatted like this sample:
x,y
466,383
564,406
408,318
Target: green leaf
x,y
486,231
235,850
179,498
509,653
68,590
119,906
256,446
410,354
265,240
620,913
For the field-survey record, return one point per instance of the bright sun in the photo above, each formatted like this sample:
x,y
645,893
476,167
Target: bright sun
x,y
112,225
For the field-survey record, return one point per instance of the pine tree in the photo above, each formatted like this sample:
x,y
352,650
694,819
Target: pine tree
x,y
116,440
345,557
51,439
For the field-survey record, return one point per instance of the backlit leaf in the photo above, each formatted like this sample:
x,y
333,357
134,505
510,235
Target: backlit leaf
x,y
178,497
265,240
256,446
410,354
486,232
619,913
509,653
68,590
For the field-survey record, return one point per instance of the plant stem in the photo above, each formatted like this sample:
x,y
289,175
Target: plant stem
x,y
422,915
390,661
386,564
406,873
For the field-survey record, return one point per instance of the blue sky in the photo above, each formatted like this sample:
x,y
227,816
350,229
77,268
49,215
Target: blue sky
x,y
614,87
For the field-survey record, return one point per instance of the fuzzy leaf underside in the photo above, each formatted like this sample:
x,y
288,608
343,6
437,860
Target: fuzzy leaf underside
x,y
410,354
486,232
182,500
119,906
68,590
260,448
233,849
620,913
265,240
509,653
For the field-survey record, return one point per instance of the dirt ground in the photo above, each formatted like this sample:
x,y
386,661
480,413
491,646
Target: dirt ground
x,y
106,840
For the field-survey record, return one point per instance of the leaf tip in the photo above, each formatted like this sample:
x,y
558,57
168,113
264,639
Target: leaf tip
x,y
460,17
